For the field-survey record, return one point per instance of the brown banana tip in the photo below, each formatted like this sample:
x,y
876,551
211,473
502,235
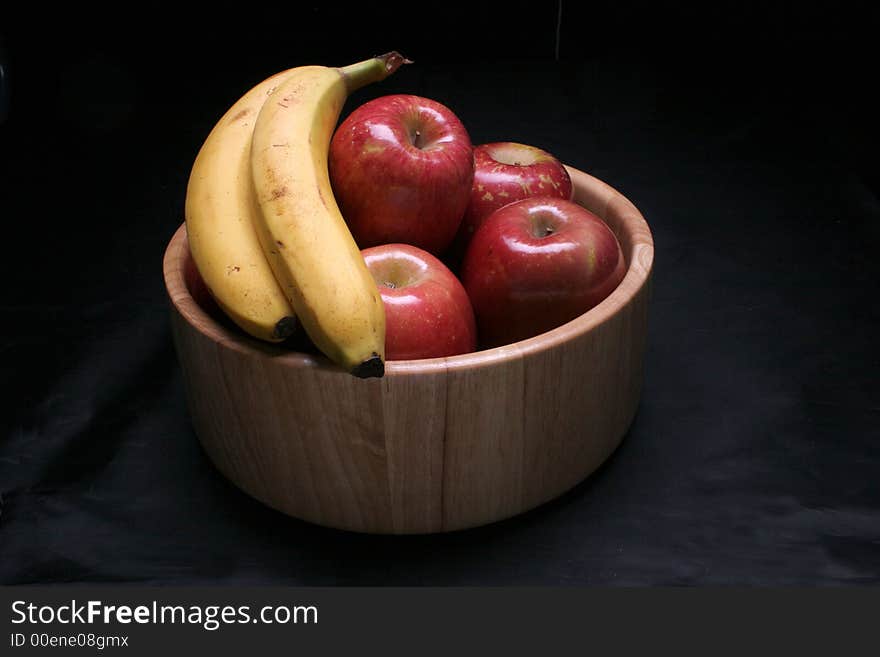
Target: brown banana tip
x,y
393,60
284,328
374,366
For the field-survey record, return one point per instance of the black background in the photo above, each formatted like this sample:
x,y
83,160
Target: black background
x,y
746,135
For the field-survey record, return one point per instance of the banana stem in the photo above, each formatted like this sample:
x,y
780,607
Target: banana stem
x,y
372,70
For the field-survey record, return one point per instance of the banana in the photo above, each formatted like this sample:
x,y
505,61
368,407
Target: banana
x,y
302,232
220,209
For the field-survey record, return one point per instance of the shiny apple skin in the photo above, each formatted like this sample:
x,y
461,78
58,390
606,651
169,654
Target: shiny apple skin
x,y
497,183
428,314
394,185
522,284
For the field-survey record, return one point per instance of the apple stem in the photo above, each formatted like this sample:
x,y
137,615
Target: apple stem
x,y
417,139
372,70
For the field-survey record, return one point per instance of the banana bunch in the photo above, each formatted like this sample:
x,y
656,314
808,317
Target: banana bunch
x,y
263,225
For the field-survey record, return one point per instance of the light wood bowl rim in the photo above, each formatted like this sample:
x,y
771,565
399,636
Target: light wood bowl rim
x,y
606,199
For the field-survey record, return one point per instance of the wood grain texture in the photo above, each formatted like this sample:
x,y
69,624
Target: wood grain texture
x,y
436,445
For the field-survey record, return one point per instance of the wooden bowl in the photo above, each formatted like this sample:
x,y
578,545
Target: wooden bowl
x,y
435,445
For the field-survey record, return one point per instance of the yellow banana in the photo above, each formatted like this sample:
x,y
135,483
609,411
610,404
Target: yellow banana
x,y
300,227
220,210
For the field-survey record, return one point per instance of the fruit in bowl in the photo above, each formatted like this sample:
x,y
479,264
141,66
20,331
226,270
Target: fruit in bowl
x,y
401,168
406,180
504,172
536,264
427,312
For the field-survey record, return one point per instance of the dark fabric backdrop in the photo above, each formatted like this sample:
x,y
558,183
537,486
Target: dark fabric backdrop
x,y
745,135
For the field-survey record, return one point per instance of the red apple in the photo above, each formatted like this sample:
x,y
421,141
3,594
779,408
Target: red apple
x,y
401,167
538,263
427,312
505,172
